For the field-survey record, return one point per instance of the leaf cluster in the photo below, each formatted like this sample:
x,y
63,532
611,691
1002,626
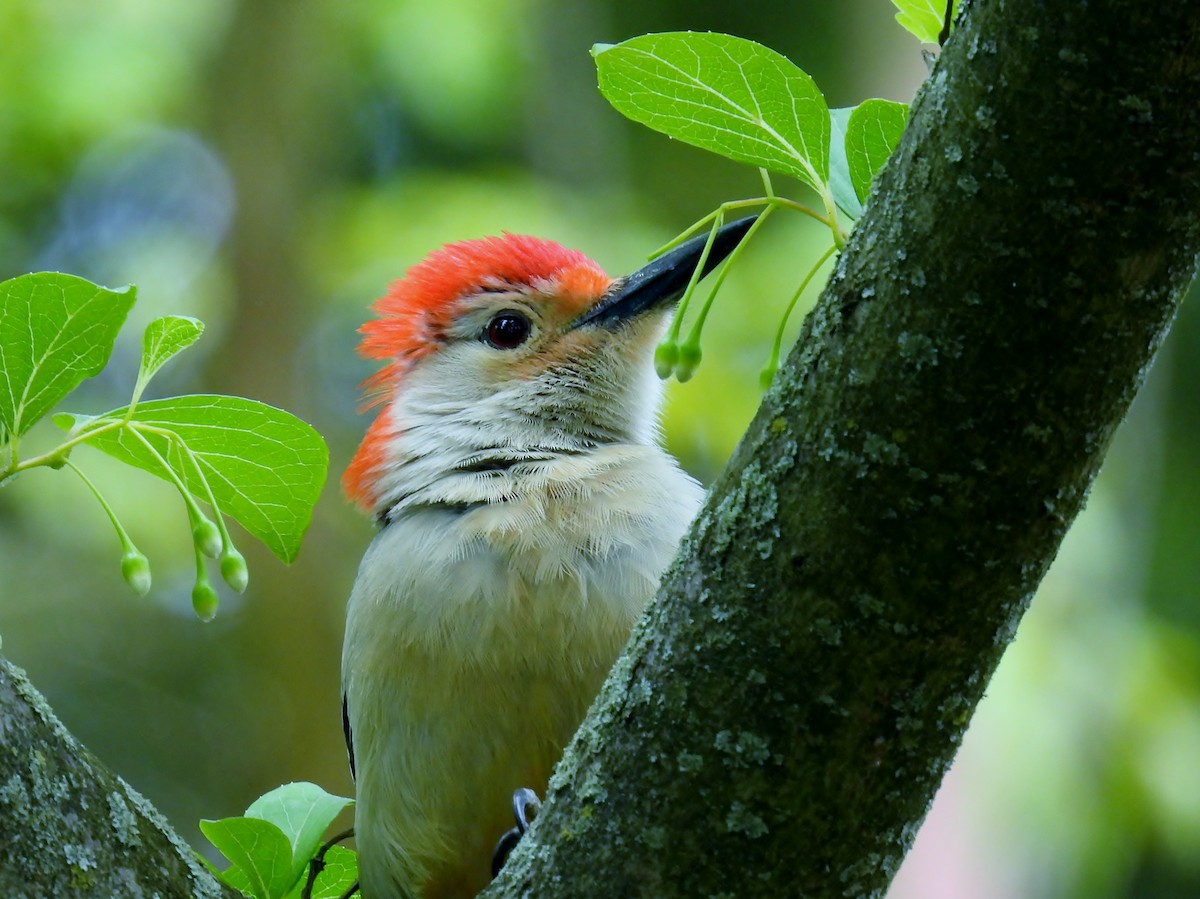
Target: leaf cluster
x,y
257,464
750,104
279,839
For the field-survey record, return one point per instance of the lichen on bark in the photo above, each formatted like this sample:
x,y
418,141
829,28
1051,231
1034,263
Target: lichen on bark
x,y
786,712
69,826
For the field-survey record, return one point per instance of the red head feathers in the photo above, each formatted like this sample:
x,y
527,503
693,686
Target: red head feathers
x,y
415,313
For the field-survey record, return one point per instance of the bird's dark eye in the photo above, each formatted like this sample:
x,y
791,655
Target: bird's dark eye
x,y
507,330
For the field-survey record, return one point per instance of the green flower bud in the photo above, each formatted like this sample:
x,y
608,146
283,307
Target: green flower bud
x,y
234,571
207,537
665,356
135,568
204,600
767,375
689,358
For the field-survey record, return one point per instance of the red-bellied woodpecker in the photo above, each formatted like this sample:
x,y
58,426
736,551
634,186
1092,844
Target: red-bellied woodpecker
x,y
526,514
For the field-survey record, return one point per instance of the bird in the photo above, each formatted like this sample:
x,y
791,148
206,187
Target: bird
x,y
526,512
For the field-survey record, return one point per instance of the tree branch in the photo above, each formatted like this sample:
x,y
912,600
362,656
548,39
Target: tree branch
x,y
786,711
69,826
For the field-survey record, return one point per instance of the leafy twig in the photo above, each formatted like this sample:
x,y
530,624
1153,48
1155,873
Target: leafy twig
x,y
317,864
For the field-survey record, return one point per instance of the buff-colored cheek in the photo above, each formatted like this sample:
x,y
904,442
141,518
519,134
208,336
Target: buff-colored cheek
x,y
558,351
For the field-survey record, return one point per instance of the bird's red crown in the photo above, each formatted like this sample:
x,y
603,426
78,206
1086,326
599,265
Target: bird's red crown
x,y
416,312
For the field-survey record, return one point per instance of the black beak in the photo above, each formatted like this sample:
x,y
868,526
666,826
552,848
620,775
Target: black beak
x,y
664,279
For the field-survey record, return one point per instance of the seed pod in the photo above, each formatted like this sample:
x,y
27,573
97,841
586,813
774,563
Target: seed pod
x,y
205,600
135,568
666,354
689,359
207,537
234,571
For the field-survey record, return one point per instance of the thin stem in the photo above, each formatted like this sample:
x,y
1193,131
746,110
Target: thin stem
x,y
317,864
194,511
11,468
839,238
58,455
122,534
785,203
186,451
795,297
766,180
770,200
772,365
944,34
694,227
133,400
681,309
698,324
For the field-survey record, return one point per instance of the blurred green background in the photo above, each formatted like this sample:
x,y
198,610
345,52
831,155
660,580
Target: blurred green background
x,y
269,166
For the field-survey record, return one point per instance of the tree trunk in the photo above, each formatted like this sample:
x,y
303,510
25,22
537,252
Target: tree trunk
x,y
69,826
786,711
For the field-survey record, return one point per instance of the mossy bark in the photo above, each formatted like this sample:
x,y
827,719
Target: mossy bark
x,y
69,826
787,710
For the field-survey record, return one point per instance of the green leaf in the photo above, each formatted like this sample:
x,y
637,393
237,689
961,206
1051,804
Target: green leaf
x,y
164,338
55,331
260,853
303,812
840,182
724,94
271,846
872,134
338,875
237,877
923,18
216,872
265,466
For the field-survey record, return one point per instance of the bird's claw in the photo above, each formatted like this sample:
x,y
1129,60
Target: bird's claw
x,y
525,805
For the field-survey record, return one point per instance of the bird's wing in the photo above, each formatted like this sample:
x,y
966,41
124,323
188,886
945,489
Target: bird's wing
x,y
349,734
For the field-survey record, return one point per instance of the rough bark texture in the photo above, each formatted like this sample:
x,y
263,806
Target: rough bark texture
x,y
787,710
69,826
785,714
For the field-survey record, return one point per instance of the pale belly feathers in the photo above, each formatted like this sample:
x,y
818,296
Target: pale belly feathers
x,y
476,639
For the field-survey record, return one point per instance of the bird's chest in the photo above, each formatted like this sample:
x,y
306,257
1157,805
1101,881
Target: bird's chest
x,y
526,584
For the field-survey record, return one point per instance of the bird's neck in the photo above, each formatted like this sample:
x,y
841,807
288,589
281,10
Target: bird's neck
x,y
455,461
447,439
